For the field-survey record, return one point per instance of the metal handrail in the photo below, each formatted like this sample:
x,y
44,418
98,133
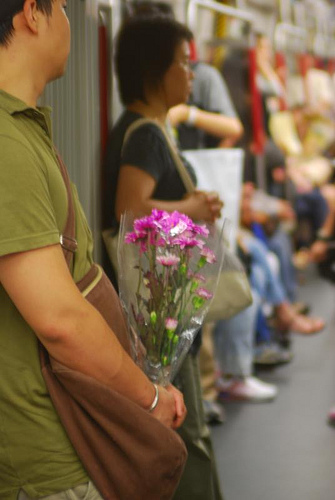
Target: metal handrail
x,y
282,29
324,45
216,7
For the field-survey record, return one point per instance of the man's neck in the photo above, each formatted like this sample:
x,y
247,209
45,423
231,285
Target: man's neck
x,y
20,79
23,96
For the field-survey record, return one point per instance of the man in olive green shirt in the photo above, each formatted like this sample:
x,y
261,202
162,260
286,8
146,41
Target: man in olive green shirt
x,y
38,296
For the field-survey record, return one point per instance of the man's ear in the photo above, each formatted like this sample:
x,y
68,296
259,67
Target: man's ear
x,y
30,15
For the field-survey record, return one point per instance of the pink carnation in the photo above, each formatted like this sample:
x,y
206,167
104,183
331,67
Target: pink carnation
x,y
171,324
208,254
175,223
134,237
144,224
157,215
168,259
204,294
202,230
186,242
199,277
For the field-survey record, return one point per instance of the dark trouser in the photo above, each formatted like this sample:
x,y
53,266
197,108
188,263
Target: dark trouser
x,y
199,480
311,208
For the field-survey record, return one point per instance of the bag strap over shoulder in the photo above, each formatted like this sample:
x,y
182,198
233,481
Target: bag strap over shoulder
x,y
182,170
68,237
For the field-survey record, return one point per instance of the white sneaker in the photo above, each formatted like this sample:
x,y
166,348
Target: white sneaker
x,y
246,389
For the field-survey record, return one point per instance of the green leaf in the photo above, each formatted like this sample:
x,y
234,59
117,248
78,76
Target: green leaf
x,y
153,318
183,269
197,302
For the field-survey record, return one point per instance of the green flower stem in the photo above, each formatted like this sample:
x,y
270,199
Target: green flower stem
x,y
140,276
167,352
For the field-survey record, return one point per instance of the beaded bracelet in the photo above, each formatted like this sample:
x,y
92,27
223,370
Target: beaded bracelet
x,y
156,398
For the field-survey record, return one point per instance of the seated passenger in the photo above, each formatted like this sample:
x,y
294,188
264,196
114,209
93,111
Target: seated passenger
x,y
270,285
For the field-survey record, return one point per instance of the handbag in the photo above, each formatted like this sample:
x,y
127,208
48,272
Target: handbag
x,y
233,292
126,451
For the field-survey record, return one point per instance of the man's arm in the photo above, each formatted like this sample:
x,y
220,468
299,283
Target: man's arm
x,y
73,331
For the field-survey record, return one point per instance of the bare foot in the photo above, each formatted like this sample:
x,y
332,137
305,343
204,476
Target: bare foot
x,y
288,319
306,325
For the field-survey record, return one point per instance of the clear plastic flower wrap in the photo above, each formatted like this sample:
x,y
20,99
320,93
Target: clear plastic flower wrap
x,y
168,273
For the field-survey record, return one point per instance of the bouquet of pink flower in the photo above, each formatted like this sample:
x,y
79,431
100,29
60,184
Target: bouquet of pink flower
x,y
167,276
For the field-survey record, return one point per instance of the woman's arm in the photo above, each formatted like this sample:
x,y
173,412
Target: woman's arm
x,y
217,124
135,193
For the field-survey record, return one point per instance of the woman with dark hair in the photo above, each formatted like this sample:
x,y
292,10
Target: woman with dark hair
x,y
152,65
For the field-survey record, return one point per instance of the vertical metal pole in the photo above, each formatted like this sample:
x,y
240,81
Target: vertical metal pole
x,y
261,172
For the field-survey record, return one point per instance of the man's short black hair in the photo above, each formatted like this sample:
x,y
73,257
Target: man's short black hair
x,y
9,8
144,51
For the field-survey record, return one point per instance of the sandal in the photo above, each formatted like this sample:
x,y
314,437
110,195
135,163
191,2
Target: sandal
x,y
300,307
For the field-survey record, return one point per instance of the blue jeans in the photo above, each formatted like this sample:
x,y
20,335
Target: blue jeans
x,y
234,340
262,278
280,244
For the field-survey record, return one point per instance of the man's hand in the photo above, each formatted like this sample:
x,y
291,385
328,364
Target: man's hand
x,y
181,410
170,410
